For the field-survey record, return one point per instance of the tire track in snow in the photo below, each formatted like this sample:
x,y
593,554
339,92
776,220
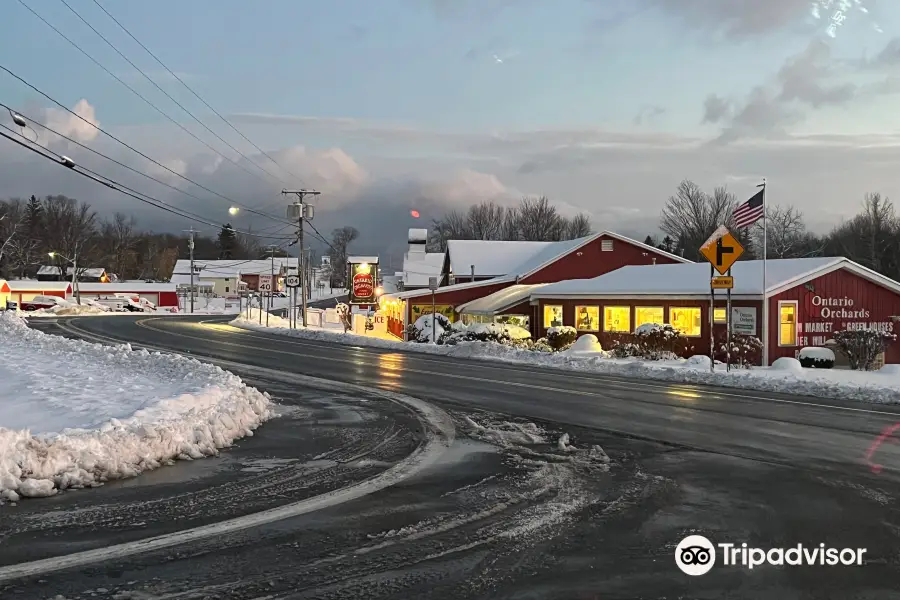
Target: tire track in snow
x,y
438,429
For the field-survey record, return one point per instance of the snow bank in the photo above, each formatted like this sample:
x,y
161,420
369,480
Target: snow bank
x,y
75,414
874,386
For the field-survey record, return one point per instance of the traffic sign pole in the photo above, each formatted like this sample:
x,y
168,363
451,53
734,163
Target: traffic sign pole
x,y
728,329
712,320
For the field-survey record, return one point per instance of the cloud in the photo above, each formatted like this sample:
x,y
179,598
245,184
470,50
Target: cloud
x,y
71,126
648,113
738,17
809,80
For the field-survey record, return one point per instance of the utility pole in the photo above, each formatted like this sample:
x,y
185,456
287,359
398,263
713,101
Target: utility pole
x,y
301,212
191,232
272,248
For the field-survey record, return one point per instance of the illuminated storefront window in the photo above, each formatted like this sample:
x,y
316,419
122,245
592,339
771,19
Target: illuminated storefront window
x,y
587,318
648,314
553,315
787,319
686,320
617,319
719,315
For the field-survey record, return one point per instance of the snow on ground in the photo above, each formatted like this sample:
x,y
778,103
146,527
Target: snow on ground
x,y
75,414
788,377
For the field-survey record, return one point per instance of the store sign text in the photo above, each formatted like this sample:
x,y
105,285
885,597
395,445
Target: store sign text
x,y
829,329
839,308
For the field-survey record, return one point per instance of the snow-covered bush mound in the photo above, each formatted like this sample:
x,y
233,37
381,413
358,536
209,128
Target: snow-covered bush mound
x,y
816,357
75,414
421,331
786,363
587,343
509,335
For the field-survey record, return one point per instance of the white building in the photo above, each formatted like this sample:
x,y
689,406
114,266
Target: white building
x,y
418,264
223,274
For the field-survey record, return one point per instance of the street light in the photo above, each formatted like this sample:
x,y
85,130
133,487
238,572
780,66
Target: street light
x,y
233,210
74,261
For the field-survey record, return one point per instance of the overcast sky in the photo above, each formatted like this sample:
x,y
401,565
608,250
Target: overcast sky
x,y
388,106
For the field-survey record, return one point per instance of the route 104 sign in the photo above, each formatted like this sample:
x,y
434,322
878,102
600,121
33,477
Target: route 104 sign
x,y
292,281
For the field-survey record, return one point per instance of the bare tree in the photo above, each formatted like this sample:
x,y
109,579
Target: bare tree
x,y
453,225
486,220
509,229
578,226
70,228
340,242
118,239
691,216
785,232
11,216
539,221
871,238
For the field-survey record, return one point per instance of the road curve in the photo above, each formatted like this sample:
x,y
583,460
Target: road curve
x,y
803,432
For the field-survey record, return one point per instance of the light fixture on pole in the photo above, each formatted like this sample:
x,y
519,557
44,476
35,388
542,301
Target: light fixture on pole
x,y
233,211
74,261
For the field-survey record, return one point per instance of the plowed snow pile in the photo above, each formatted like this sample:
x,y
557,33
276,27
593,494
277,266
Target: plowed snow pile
x,y
75,414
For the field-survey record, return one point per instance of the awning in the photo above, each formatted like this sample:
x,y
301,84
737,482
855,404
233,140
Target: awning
x,y
498,301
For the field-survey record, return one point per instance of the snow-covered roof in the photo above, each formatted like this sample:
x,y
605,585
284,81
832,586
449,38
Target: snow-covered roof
x,y
227,269
496,258
491,258
499,301
693,279
419,266
118,288
457,286
372,260
54,270
29,285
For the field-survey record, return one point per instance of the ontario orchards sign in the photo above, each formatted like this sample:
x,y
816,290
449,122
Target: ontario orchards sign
x,y
828,315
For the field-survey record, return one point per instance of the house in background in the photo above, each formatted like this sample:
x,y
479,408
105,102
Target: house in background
x,y
222,275
90,275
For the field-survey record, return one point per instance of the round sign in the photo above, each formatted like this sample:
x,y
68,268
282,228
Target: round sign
x,y
363,285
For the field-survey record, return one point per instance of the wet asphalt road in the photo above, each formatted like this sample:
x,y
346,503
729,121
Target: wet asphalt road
x,y
505,513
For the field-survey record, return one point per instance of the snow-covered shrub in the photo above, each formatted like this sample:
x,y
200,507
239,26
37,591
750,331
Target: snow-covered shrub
x,y
508,335
586,343
816,358
541,345
746,350
862,346
651,342
420,331
560,338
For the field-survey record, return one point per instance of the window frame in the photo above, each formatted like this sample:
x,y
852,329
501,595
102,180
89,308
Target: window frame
x,y
628,328
634,318
796,305
562,310
599,317
700,308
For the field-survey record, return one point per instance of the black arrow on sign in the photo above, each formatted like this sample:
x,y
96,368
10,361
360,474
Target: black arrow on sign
x,y
720,250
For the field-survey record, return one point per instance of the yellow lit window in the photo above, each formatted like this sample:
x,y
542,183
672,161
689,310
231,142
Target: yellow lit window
x,y
648,314
787,318
617,319
686,320
719,315
553,315
587,318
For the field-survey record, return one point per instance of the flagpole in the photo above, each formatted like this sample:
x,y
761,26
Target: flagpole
x,y
765,305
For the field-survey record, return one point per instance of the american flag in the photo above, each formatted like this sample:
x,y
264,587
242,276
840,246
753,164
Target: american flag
x,y
750,211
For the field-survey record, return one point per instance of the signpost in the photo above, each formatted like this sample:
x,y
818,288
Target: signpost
x,y
722,250
432,285
292,281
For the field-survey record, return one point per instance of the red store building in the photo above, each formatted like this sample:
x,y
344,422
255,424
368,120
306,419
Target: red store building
x,y
808,300
523,267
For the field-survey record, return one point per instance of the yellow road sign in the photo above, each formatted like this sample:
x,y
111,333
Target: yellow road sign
x,y
722,250
722,283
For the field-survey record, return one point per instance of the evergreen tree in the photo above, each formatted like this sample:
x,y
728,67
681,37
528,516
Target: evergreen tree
x,y
650,241
34,217
228,242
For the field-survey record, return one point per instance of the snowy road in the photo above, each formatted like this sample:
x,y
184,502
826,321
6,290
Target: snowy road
x,y
505,512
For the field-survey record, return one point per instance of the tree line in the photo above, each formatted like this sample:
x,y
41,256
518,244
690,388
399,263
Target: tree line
x,y
871,238
534,219
30,229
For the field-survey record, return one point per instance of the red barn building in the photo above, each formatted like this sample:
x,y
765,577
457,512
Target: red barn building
x,y
523,265
808,300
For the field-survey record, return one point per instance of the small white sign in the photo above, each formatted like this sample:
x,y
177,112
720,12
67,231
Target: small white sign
x,y
292,281
743,320
265,283
432,283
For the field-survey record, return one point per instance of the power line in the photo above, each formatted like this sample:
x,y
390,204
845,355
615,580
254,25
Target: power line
x,y
177,103
136,93
135,150
196,95
114,185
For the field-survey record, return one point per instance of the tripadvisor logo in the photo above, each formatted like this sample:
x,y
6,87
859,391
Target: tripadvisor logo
x,y
696,555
